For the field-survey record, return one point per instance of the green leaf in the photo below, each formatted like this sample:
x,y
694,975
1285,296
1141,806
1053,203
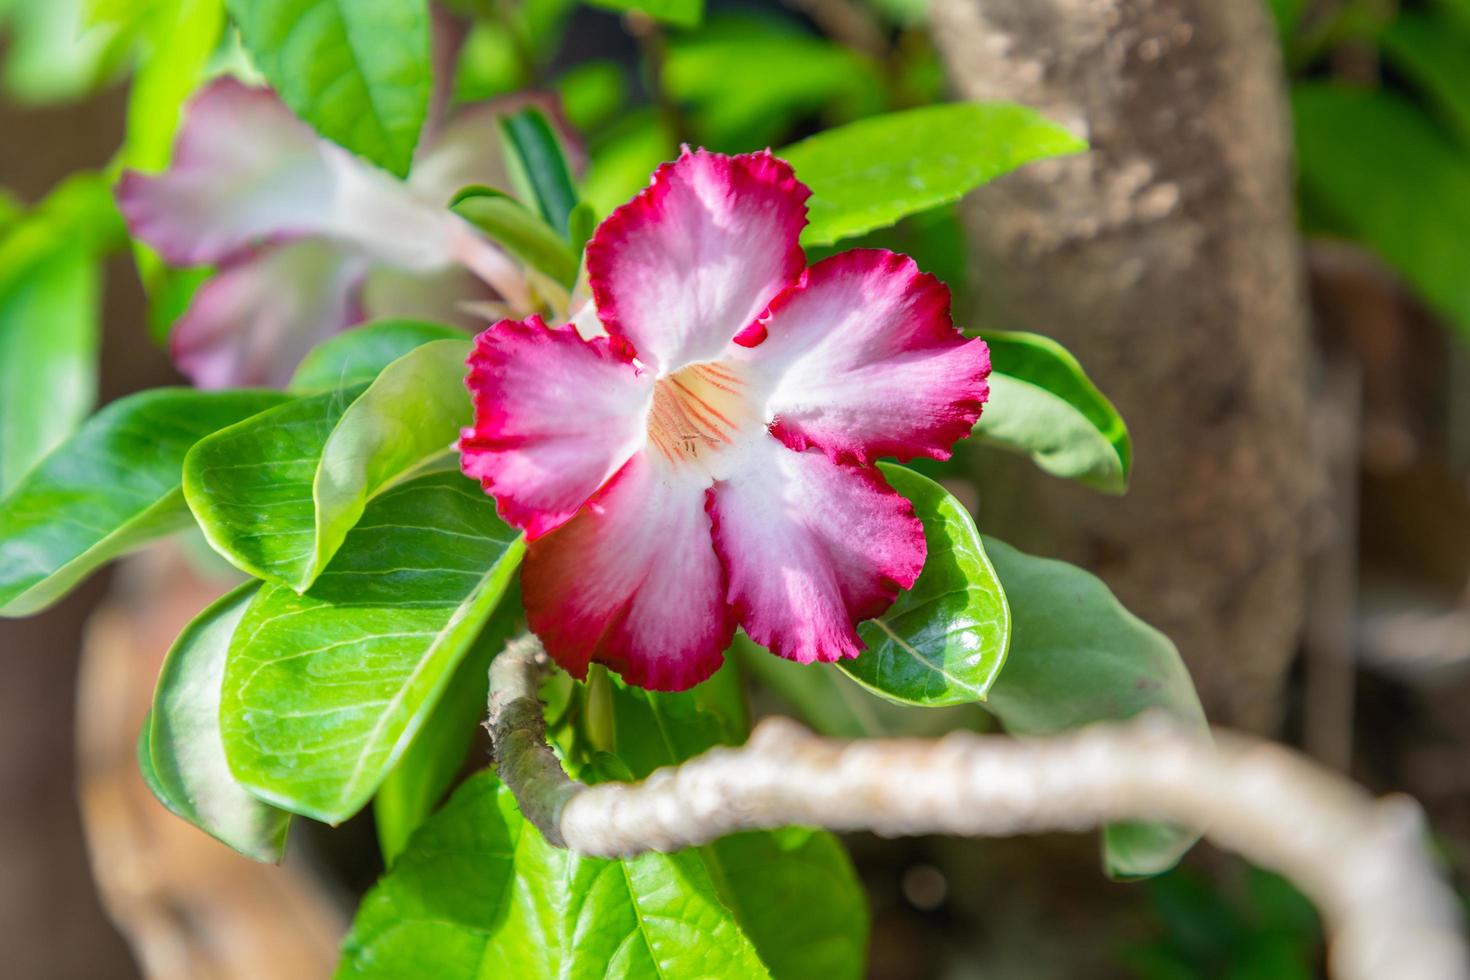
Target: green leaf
x,y
944,640
250,485
359,355
623,157
523,234
795,893
187,756
53,55
538,165
50,292
356,70
1383,172
480,894
1043,404
1435,53
1078,657
109,489
324,691
421,778
871,173
277,494
680,13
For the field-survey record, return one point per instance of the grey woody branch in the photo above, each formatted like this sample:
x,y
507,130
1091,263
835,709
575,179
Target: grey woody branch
x,y
1388,912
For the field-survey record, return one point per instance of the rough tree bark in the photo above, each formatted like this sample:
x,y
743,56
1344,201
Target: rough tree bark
x,y
1167,259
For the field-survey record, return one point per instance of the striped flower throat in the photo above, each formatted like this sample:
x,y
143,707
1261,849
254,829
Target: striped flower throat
x,y
700,413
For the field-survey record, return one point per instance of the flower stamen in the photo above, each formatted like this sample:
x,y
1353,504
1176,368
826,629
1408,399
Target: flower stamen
x,y
697,412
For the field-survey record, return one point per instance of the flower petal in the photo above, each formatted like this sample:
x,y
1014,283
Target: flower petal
x,y
863,361
555,417
246,172
253,321
696,256
633,582
811,546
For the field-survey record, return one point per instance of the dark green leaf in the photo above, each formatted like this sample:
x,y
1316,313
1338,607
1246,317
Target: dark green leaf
x,y
420,779
324,691
1383,172
681,13
190,775
110,488
479,893
356,70
944,640
1043,404
1078,657
358,355
537,164
871,173
521,233
1435,53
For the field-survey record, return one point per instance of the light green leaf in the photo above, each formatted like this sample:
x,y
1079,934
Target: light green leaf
x,y
479,894
109,489
1043,404
871,173
420,779
356,70
521,233
276,494
1384,173
250,485
187,757
624,156
53,55
680,13
1078,657
324,691
795,893
944,640
1435,53
358,355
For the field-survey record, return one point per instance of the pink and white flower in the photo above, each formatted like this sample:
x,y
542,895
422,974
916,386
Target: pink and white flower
x,y
309,239
708,462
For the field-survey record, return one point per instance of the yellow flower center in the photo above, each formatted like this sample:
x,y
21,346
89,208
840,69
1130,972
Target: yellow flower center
x,y
699,412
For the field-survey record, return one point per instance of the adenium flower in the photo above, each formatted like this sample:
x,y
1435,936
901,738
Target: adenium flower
x,y
309,239
709,461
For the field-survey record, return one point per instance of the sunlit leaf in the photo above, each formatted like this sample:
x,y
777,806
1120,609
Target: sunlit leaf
x,y
111,487
681,13
869,174
538,166
357,70
521,233
1043,404
944,640
358,355
324,691
190,775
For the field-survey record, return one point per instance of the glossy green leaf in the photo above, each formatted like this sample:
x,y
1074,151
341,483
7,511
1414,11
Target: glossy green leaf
x,y
324,691
357,70
871,173
521,233
1435,53
190,775
277,494
794,892
1078,657
943,641
250,486
427,769
479,895
538,165
1043,404
681,13
111,487
358,355
1382,171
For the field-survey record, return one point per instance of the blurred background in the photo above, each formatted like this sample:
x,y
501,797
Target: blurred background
x,y
1265,261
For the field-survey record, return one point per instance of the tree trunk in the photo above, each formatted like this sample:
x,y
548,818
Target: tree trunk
x,y
1167,259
